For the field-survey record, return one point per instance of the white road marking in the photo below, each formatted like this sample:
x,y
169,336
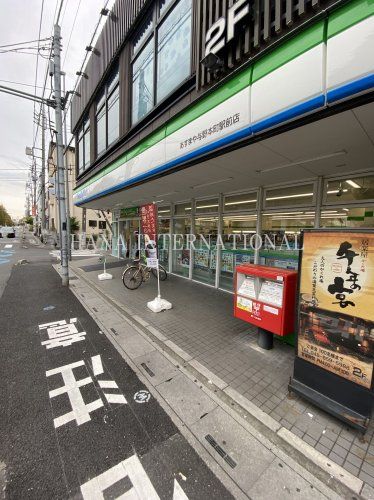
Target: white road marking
x,y
108,384
118,399
8,246
179,494
80,411
61,333
142,396
97,365
142,488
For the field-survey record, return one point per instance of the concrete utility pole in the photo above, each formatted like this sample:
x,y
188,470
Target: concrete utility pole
x,y
60,154
67,188
42,178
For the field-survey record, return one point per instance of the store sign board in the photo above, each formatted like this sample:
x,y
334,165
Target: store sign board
x,y
223,30
129,212
219,122
336,297
148,217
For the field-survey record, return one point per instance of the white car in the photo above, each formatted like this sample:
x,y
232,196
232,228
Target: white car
x,y
7,232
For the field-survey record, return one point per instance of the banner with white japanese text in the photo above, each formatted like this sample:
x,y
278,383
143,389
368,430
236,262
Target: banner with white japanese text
x,y
336,303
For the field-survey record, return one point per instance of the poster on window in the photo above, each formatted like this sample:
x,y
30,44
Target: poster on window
x,y
201,259
227,262
336,303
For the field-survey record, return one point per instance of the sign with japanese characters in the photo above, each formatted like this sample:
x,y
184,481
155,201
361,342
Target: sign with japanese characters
x,y
148,217
336,313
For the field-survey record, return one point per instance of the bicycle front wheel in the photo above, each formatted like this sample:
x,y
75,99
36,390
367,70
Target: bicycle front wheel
x,y
163,273
132,278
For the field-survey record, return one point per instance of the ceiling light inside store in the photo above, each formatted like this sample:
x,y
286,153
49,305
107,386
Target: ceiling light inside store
x,y
335,191
283,213
212,183
353,184
205,206
238,231
303,195
334,215
239,202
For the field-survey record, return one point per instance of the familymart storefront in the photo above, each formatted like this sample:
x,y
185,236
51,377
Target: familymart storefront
x,y
285,144
226,226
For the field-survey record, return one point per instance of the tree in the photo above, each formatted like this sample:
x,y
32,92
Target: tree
x,y
74,224
29,220
5,218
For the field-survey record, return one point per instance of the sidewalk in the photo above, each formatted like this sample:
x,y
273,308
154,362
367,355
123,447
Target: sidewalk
x,y
201,330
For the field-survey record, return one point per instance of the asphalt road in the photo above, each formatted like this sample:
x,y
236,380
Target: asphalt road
x,y
76,422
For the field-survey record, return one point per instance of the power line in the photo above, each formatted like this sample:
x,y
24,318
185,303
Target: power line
x,y
23,43
24,84
71,32
59,11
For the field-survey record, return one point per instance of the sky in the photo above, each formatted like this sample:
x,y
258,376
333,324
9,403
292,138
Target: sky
x,y
19,22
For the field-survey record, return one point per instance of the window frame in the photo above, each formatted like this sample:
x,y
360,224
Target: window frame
x,y
157,20
111,85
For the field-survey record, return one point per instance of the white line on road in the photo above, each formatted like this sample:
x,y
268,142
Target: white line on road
x,y
118,399
97,365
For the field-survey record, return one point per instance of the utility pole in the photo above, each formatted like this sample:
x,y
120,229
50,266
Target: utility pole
x,y
34,208
60,154
42,179
67,187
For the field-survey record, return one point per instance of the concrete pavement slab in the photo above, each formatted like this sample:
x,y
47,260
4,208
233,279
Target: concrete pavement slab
x,y
251,458
280,482
156,367
186,399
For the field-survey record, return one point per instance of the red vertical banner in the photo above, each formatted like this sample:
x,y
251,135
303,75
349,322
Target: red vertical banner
x,y
148,217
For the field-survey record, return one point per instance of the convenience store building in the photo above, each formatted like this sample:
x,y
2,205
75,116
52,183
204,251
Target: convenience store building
x,y
235,118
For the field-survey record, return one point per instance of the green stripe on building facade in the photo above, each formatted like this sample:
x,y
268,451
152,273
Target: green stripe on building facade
x,y
338,21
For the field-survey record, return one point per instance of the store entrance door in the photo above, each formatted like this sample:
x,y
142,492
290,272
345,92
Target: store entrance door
x,y
129,229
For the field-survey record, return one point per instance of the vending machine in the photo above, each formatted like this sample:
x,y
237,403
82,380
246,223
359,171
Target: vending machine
x,y
266,297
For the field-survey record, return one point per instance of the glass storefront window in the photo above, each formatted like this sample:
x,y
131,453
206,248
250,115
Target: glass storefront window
x,y
298,195
145,30
349,190
206,206
183,209
113,116
101,131
87,148
164,211
236,234
174,49
282,241
240,202
84,146
142,82
361,217
180,247
205,252
164,5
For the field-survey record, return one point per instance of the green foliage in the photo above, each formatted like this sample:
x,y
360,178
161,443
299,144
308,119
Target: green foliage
x,y
5,218
74,224
28,220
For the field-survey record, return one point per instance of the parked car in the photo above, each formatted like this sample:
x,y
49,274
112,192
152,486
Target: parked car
x,y
7,232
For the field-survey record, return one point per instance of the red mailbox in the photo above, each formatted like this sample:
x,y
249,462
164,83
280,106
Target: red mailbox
x,y
266,297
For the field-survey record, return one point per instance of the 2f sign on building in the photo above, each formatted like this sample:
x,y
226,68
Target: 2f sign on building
x,y
222,31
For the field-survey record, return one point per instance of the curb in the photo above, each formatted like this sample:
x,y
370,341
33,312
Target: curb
x,y
335,477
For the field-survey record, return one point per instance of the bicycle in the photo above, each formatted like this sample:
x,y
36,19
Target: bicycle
x,y
133,276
